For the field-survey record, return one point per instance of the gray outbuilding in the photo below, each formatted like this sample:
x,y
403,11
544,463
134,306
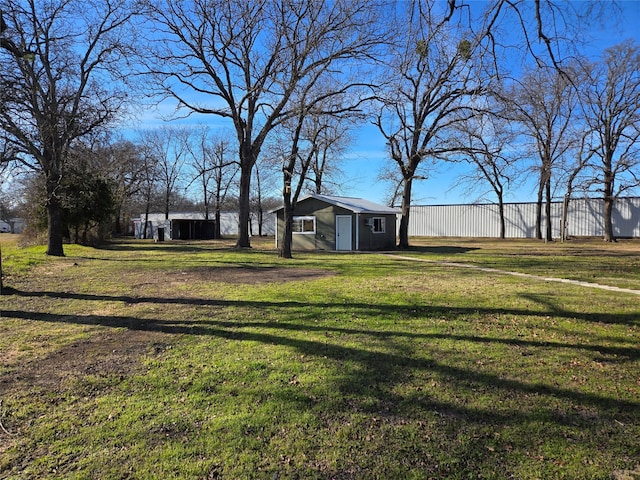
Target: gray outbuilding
x,y
326,222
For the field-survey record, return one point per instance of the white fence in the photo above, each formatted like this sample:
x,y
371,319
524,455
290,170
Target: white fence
x,y
584,218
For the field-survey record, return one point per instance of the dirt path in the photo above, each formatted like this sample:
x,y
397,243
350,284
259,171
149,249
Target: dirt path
x,y
517,274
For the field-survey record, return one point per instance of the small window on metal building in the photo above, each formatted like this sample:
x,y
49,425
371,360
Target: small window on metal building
x,y
304,225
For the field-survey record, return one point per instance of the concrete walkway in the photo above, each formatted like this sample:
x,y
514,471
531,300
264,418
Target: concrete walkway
x,y
516,274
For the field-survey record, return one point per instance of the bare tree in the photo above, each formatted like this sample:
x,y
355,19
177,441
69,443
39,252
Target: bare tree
x,y
244,60
216,171
123,162
297,158
264,189
544,102
575,168
486,142
549,32
60,83
574,164
447,50
169,147
306,139
225,169
434,82
613,114
203,171
149,182
331,137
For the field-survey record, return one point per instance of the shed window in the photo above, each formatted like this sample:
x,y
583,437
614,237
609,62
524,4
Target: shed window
x,y
378,225
304,225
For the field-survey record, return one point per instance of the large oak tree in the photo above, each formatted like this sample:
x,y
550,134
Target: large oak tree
x,y
544,103
433,82
245,60
445,56
60,63
613,114
486,143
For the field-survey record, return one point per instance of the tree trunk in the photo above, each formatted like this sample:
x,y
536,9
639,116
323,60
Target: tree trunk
x,y
260,218
117,229
565,213
539,212
85,234
287,235
501,213
404,218
244,206
547,210
217,231
54,217
608,224
205,197
146,220
608,205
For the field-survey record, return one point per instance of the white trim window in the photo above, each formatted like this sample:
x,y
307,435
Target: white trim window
x,y
304,225
378,225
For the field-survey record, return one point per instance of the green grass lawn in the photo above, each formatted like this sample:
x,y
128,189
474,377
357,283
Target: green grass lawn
x,y
196,360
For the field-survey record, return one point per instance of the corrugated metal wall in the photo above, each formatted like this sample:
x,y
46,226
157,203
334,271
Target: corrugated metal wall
x,y
483,220
626,217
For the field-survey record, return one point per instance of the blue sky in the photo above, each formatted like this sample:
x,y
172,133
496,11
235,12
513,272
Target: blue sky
x,y
368,154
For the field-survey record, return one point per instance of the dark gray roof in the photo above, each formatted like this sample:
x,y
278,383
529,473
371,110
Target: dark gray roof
x,y
356,205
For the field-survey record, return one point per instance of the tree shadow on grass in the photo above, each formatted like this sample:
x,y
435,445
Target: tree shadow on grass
x,y
179,246
202,327
409,311
440,250
381,367
379,386
174,246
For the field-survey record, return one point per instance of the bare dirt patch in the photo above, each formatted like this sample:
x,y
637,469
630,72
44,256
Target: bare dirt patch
x,y
87,368
114,352
254,275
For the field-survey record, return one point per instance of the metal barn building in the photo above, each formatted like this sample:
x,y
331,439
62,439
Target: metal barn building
x,y
193,226
584,219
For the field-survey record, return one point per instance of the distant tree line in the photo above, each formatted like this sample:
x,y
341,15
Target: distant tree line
x,y
288,81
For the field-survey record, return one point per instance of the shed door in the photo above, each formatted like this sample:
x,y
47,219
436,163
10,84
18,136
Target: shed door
x,y
343,232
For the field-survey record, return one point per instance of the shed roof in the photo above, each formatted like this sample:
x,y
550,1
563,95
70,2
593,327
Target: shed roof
x,y
356,205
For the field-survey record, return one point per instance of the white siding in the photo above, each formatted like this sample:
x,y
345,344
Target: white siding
x,y
626,217
584,218
483,220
